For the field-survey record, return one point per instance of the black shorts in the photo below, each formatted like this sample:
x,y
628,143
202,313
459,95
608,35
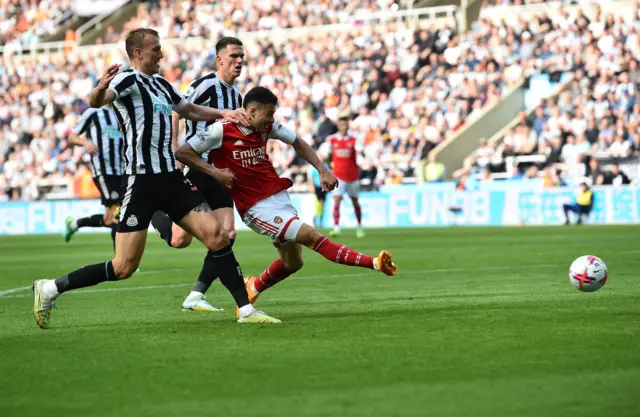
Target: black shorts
x,y
320,195
214,193
110,187
169,192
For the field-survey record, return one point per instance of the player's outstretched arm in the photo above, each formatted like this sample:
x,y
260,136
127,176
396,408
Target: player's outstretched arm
x,y
302,148
198,113
101,95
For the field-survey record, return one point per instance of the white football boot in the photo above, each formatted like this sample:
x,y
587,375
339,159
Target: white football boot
x,y
196,301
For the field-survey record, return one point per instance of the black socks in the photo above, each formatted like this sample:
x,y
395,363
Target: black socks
x,y
162,223
97,220
86,277
222,263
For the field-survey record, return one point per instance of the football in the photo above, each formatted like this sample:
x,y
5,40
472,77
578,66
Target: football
x,y
588,273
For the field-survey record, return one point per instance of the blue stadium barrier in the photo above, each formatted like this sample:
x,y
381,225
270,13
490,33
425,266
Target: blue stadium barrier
x,y
495,204
513,204
47,217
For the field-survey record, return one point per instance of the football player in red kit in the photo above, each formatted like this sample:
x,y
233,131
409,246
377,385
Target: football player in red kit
x,y
239,160
344,150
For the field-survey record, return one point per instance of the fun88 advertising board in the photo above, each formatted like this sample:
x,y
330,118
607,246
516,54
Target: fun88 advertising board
x,y
398,206
442,205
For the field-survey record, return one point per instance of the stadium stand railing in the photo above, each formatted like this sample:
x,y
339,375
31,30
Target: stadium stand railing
x,y
512,161
410,17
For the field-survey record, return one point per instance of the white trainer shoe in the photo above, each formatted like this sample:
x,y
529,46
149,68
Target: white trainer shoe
x,y
42,304
199,303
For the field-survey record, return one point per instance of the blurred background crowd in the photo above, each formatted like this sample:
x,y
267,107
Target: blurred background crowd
x,y
406,90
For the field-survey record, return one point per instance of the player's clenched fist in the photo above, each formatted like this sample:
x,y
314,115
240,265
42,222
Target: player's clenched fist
x,y
328,181
226,177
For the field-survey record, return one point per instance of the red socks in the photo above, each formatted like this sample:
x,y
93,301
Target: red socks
x,y
334,252
358,210
342,254
274,273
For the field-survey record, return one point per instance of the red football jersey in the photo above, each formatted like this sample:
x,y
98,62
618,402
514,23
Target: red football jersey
x,y
344,149
244,151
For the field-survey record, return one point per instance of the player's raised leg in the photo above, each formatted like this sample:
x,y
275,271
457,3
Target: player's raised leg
x,y
204,226
343,254
277,218
129,250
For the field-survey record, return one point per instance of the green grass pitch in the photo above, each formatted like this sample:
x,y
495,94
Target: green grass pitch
x,y
478,322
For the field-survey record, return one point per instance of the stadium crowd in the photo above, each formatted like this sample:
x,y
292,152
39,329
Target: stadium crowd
x,y
593,121
27,22
211,19
405,91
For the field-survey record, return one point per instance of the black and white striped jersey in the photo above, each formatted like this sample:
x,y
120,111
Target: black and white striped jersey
x,y
143,106
210,91
101,128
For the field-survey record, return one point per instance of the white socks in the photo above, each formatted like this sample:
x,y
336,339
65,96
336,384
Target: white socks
x,y
247,310
74,225
195,294
49,288
375,264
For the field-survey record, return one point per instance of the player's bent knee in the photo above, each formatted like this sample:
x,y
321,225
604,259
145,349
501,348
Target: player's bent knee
x,y
181,241
232,234
217,241
294,264
124,270
307,235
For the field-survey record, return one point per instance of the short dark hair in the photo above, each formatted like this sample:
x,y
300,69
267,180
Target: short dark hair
x,y
344,119
226,41
135,39
260,95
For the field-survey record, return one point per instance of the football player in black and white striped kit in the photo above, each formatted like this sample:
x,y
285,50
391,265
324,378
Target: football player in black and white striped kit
x,y
103,140
143,102
215,90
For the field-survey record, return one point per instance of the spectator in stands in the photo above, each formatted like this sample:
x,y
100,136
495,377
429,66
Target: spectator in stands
x,y
615,176
23,22
550,177
583,205
434,171
516,174
594,174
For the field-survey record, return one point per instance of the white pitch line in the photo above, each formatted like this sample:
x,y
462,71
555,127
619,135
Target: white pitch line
x,y
12,290
3,293
7,293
